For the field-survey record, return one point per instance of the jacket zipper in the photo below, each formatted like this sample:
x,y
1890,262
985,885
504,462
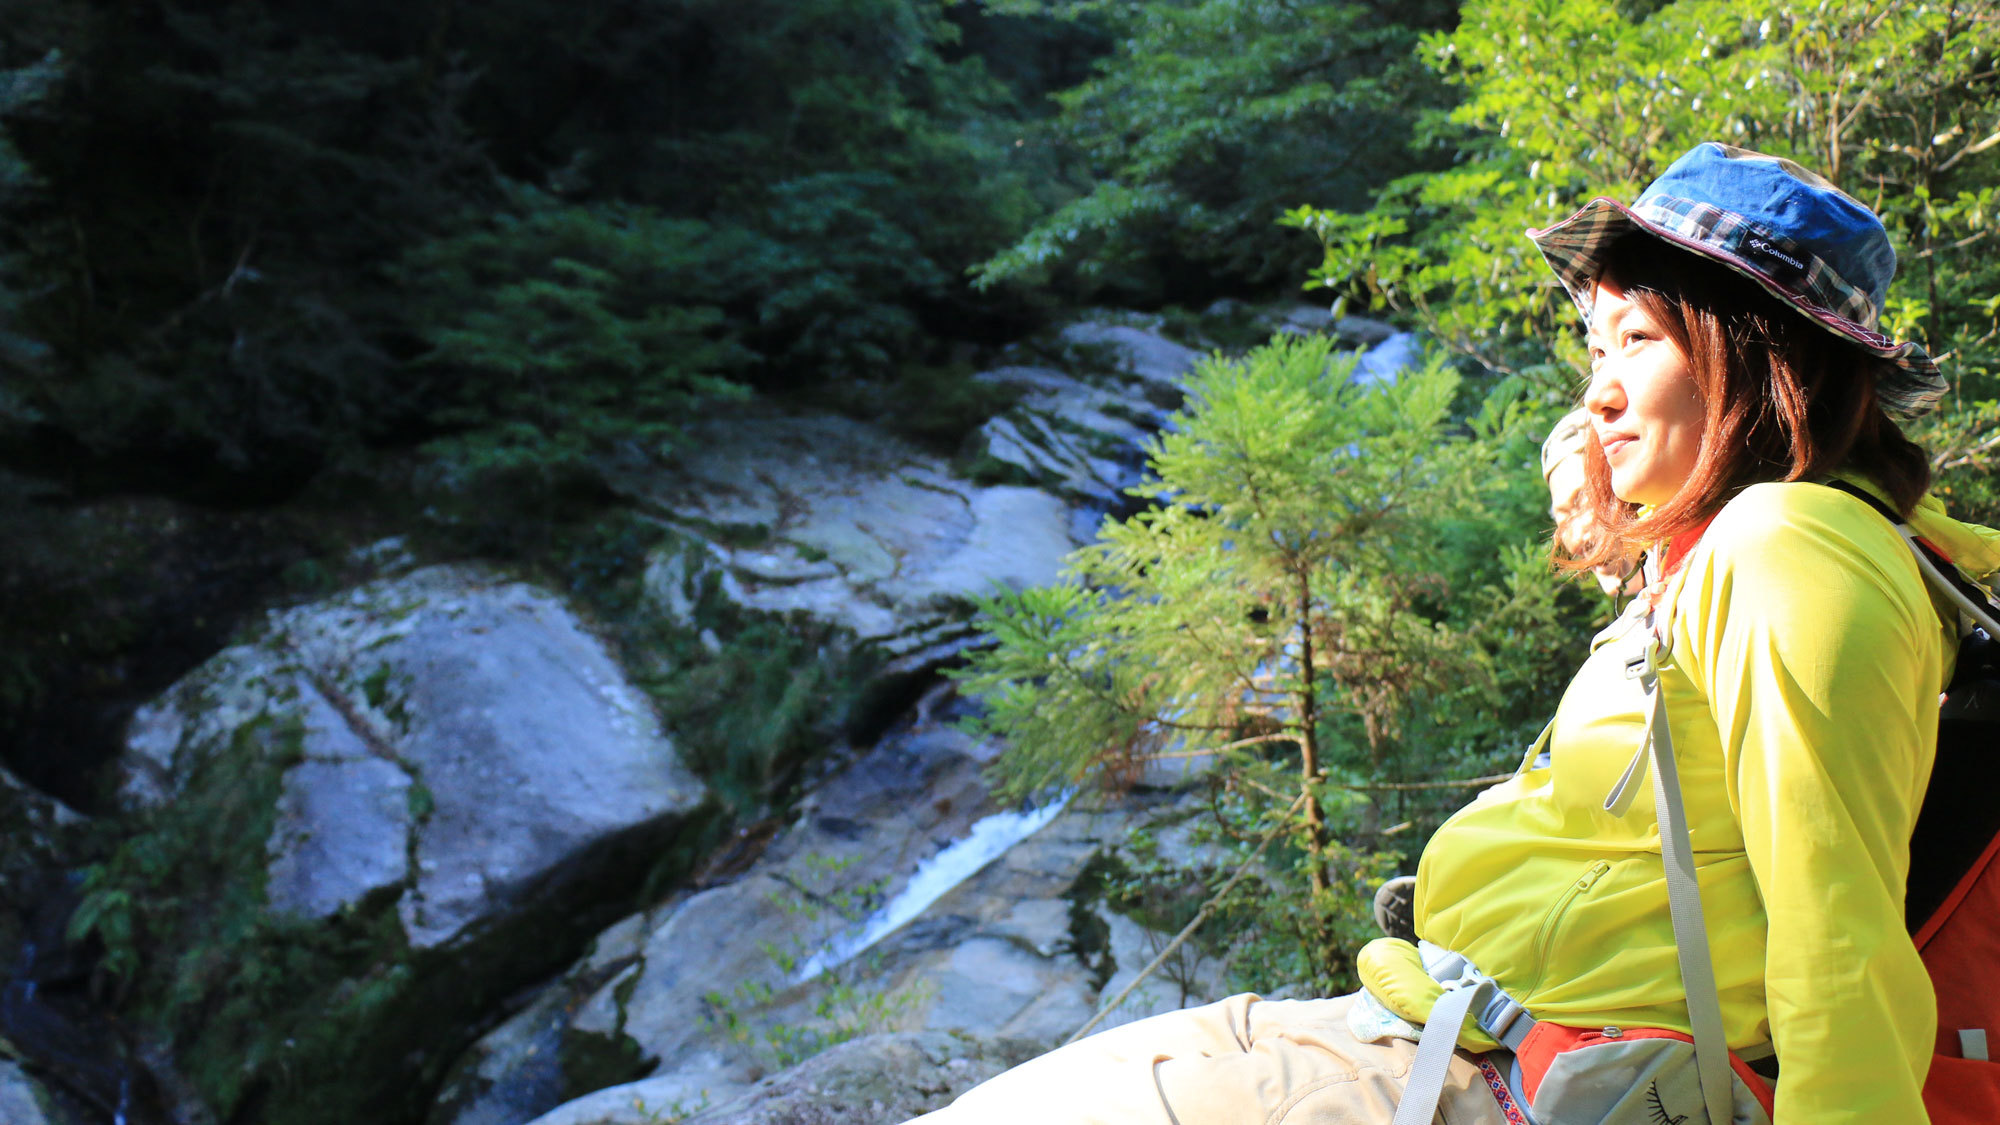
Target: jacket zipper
x,y
1546,935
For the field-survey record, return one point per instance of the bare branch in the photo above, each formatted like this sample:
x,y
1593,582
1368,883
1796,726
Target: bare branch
x,y
1281,736
1958,458
1468,783
1973,149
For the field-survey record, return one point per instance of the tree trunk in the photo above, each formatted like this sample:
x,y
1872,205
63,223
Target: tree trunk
x,y
1309,742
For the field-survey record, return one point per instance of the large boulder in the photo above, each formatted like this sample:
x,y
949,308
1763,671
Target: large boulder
x,y
847,524
414,797
1082,440
1142,354
874,1080
459,740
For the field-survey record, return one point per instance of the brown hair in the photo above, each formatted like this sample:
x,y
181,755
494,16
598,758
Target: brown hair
x,y
1784,400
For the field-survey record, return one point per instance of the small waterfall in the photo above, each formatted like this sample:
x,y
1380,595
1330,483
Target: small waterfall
x,y
989,839
1388,359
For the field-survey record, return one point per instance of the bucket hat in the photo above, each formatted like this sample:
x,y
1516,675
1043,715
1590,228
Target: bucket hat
x,y
1801,239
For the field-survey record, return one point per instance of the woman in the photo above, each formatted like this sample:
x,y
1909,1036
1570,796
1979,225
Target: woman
x,y
1795,656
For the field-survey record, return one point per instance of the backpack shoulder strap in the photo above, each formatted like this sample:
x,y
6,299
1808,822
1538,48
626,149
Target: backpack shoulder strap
x,y
1938,571
1704,1001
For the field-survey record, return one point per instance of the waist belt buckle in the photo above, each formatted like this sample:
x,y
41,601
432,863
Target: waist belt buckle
x,y
1501,1017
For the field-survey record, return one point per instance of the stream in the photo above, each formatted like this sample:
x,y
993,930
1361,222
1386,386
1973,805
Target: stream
x,y
988,840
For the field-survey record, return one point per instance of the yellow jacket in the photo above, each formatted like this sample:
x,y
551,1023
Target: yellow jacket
x,y
1802,688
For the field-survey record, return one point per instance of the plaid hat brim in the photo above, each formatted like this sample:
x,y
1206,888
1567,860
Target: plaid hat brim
x,y
1910,383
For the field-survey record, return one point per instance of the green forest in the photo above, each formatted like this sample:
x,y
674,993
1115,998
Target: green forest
x,y
281,280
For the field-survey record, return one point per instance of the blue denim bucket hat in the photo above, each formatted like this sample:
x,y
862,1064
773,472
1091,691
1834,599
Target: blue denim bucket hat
x,y
1806,242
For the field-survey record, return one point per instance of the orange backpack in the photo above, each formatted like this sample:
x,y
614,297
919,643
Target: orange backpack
x,y
1952,900
1961,948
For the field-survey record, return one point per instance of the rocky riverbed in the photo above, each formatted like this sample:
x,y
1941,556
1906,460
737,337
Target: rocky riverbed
x,y
420,850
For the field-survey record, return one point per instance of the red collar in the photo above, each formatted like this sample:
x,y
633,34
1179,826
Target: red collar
x,y
1682,545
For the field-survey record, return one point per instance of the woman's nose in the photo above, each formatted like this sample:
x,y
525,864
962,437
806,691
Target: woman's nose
x,y
1604,396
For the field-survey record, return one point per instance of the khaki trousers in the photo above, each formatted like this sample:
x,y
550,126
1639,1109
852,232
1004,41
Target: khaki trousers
x,y
1241,1061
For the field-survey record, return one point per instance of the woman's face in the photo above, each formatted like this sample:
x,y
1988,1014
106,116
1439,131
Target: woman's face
x,y
1643,401
1567,507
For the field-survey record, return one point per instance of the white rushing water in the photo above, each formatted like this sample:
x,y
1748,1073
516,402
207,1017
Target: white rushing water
x,y
988,840
1388,359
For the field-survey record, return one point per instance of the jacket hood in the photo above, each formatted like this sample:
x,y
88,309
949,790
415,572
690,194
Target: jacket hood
x,y
1975,549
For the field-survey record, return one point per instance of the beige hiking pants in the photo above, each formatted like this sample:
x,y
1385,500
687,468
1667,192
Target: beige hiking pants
x,y
1242,1061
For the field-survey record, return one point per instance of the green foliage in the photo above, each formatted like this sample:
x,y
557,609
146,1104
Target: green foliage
x,y
20,90
593,1060
253,1003
244,241
1311,594
1295,936
421,802
375,685
1566,99
840,1011
568,332
1302,517
746,717
1967,432
821,893
137,900
213,193
845,252
1208,120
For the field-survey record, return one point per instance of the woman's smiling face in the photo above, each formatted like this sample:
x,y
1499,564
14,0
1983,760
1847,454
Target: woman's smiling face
x,y
1643,401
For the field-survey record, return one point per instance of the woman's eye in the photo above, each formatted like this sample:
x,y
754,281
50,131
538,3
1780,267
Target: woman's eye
x,y
1631,337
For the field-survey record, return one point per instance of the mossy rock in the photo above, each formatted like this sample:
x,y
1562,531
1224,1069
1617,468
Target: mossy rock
x,y
317,944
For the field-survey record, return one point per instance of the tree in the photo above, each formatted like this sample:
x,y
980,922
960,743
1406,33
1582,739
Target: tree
x,y
1291,597
566,334
218,194
1208,120
1565,99
235,267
